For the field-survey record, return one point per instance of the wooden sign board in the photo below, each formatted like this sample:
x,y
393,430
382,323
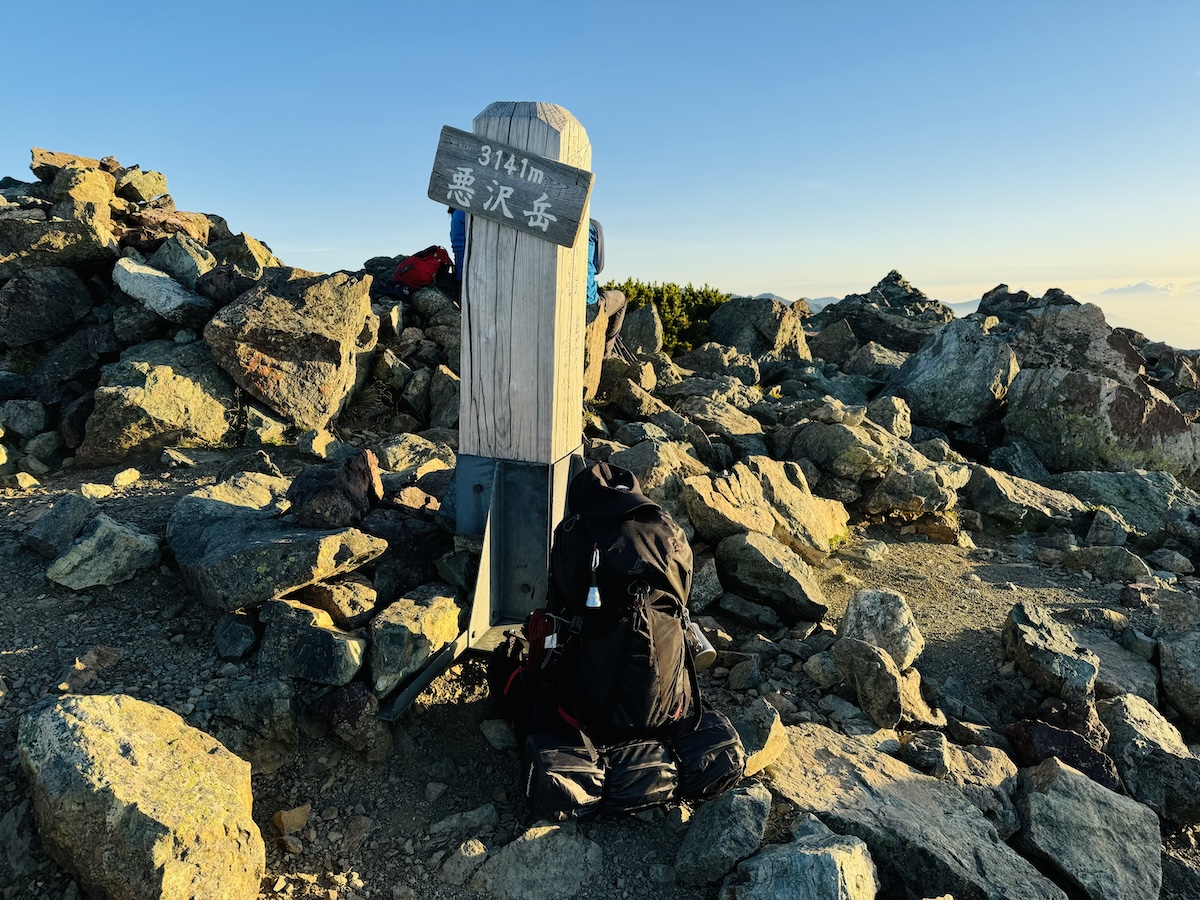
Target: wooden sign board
x,y
533,194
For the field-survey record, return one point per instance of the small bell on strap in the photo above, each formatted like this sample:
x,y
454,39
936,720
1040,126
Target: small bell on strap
x,y
593,595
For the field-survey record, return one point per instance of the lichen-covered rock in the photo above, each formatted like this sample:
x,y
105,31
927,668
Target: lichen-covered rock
x,y
135,803
106,553
410,631
41,303
294,341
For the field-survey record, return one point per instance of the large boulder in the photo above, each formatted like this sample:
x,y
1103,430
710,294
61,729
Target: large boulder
x,y
724,832
41,303
410,631
294,341
1180,665
1157,767
106,553
26,243
809,525
926,839
159,394
760,327
547,862
762,569
1045,651
985,775
302,641
1064,332
957,378
1077,420
883,618
1018,504
136,803
234,551
1147,501
1107,845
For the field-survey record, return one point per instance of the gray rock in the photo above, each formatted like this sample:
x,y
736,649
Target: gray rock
x,y
752,615
854,452
1096,422
1121,671
924,836
1108,529
236,635
1045,652
762,328
1107,845
875,362
809,525
159,292
301,641
463,862
1019,504
234,552
883,618
410,457
547,862
762,569
1180,665
349,600
642,330
889,697
134,802
184,259
725,504
1148,501
893,312
23,417
480,820
444,392
257,721
706,586
411,630
41,303
1016,458
61,524
723,832
1162,559
1108,564
141,187
105,553
1155,764
959,377
762,734
893,414
716,359
915,485
816,865
985,775
159,394
295,342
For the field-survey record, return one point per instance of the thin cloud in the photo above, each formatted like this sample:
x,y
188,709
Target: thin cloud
x,y
1142,288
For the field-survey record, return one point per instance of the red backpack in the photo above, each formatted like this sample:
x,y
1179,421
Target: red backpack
x,y
422,269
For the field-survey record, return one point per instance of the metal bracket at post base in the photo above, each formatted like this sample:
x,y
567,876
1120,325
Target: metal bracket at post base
x,y
514,505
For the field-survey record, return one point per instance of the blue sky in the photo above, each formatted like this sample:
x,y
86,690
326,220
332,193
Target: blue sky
x,y
798,148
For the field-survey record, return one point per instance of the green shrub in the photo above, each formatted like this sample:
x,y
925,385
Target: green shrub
x,y
684,310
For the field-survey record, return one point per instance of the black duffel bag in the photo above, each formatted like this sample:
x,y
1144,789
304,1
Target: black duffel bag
x,y
640,774
561,780
710,759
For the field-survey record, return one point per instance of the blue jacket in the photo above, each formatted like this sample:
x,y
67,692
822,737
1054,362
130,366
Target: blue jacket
x,y
595,258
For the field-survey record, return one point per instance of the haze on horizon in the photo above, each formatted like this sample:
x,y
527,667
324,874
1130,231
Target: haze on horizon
x,y
796,148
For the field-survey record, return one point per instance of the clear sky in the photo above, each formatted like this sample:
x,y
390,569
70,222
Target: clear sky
x,y
798,148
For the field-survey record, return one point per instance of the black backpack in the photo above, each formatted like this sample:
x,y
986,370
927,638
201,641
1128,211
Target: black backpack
x,y
620,575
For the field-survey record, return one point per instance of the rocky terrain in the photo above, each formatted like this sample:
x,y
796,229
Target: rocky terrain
x,y
947,564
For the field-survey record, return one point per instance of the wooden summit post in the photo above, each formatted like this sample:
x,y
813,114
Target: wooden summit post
x,y
522,176
524,303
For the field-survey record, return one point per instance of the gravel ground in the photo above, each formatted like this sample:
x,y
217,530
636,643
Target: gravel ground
x,y
368,832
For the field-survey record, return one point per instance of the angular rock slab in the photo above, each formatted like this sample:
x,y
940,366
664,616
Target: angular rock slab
x,y
294,341
1156,765
1106,844
1180,665
162,294
234,552
41,303
888,696
159,394
303,641
1045,651
136,803
406,634
761,568
723,832
816,865
107,553
924,836
78,245
547,862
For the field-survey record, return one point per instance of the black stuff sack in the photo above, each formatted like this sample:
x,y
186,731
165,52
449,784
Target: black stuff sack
x,y
640,774
561,780
711,759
